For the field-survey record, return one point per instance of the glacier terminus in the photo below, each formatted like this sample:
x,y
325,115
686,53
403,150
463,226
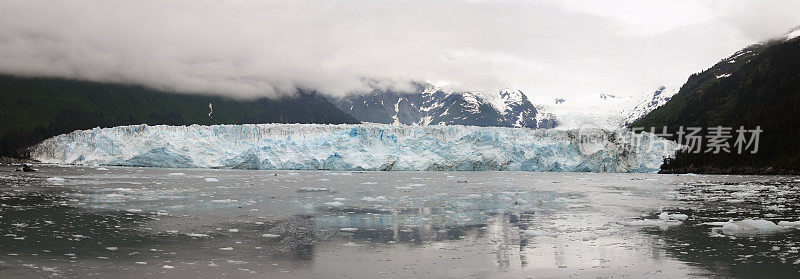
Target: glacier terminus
x,y
370,147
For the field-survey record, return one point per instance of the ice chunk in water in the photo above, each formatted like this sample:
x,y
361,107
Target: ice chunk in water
x,y
750,226
333,204
535,233
789,223
375,199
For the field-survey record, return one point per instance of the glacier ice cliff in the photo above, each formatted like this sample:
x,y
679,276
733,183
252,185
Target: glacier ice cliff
x,y
350,147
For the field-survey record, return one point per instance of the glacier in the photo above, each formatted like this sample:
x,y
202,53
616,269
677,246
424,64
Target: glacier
x,y
352,147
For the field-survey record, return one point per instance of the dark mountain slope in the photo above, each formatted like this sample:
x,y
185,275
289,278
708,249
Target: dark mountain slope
x,y
429,105
33,109
758,86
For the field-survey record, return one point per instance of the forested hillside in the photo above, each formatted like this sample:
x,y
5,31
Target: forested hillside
x,y
33,109
757,86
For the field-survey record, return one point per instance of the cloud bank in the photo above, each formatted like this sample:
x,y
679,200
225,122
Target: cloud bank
x,y
268,48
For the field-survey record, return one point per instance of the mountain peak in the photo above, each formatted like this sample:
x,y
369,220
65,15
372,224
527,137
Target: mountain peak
x,y
650,102
794,33
430,105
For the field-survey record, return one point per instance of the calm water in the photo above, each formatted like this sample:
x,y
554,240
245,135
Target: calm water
x,y
181,223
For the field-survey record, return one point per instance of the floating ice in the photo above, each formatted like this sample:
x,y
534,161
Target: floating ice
x,y
102,169
269,235
664,221
562,200
167,267
211,179
666,216
224,201
312,189
716,224
651,223
349,147
789,223
534,233
333,204
750,226
679,216
375,199
55,179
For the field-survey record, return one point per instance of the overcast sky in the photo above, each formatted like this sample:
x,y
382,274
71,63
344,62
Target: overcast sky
x,y
263,48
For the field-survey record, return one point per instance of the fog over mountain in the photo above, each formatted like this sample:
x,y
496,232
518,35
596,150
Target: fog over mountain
x,y
247,48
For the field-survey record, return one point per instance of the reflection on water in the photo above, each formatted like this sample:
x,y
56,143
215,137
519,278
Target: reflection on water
x,y
134,222
760,255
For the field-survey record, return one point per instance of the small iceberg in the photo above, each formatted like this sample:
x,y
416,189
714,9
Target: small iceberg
x,y
749,227
375,199
535,233
664,221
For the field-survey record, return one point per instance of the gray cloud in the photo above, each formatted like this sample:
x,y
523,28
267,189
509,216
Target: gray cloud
x,y
268,48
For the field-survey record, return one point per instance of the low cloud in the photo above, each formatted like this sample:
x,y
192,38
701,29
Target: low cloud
x,y
254,48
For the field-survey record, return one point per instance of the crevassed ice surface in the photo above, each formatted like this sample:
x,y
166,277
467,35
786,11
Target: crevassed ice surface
x,y
350,147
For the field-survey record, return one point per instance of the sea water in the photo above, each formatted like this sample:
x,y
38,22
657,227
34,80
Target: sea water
x,y
124,222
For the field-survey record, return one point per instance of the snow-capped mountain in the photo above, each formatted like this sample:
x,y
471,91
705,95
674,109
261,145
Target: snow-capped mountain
x,y
430,105
649,103
792,34
605,110
602,111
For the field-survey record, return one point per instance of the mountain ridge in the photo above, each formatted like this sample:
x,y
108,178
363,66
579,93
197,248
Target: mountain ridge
x,y
430,105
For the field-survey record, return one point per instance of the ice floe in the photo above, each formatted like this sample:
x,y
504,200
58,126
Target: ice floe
x,y
535,233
